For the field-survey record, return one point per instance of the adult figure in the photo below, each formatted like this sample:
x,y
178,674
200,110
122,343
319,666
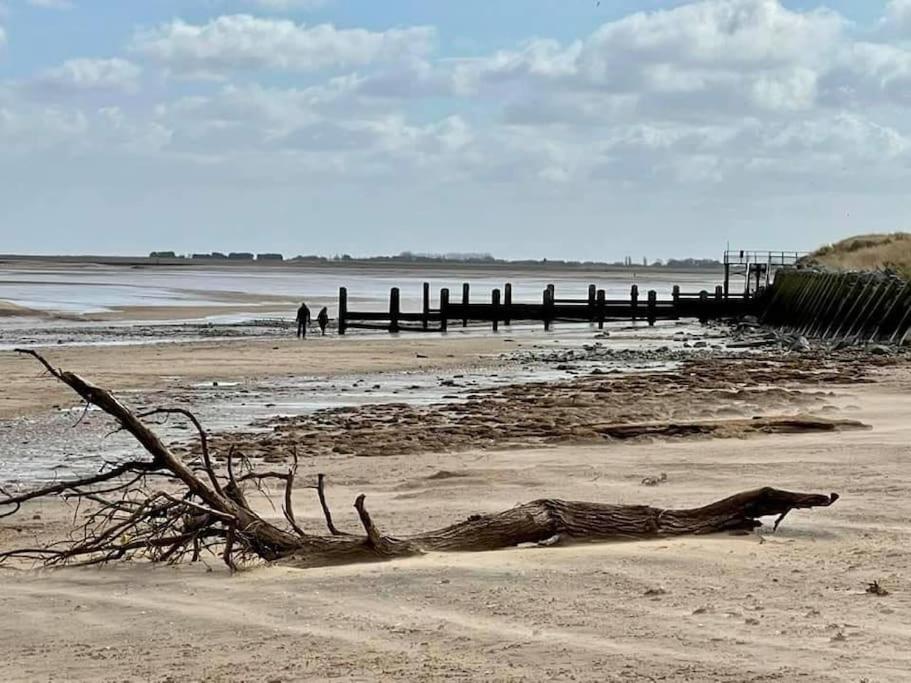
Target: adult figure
x,y
303,319
322,318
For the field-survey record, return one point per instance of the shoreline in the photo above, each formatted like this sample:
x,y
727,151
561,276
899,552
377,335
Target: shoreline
x,y
79,292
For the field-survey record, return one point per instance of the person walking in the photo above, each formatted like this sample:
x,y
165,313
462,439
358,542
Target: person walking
x,y
322,318
303,319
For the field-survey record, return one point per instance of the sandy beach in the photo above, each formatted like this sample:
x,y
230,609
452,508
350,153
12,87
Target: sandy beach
x,y
785,606
428,341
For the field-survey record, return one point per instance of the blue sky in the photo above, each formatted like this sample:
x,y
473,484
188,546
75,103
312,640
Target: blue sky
x,y
520,127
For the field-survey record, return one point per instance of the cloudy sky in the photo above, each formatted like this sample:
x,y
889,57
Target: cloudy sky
x,y
526,128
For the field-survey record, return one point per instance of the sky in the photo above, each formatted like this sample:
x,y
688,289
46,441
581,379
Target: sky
x,y
522,128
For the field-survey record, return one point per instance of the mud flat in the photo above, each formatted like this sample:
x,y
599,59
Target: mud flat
x,y
791,605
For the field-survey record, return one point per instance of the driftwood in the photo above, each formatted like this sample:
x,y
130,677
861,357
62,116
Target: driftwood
x,y
196,509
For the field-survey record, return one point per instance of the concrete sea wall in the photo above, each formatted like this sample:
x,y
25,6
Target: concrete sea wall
x,y
859,307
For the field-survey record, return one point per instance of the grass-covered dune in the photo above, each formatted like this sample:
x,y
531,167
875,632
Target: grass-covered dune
x,y
866,252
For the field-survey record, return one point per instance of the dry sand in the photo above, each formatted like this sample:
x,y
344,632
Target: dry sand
x,y
785,606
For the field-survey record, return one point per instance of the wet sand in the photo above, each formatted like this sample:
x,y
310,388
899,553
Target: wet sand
x,y
153,367
708,396
785,606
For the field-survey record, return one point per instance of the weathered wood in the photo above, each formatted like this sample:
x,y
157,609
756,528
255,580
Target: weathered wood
x,y
444,312
466,298
548,307
495,303
861,307
634,301
425,305
549,311
548,519
394,306
600,313
652,305
342,310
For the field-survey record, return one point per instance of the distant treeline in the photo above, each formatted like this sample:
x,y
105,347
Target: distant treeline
x,y
455,258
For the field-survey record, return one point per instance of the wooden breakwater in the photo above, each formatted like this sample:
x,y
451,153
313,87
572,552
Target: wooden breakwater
x,y
859,307
499,308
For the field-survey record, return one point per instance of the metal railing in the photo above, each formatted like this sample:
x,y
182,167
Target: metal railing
x,y
743,257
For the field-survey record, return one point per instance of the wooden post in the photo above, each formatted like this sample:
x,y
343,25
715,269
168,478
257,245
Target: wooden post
x,y
495,307
592,301
675,296
444,309
342,309
703,304
634,300
394,310
465,298
507,304
719,297
600,313
548,308
727,279
425,311
652,306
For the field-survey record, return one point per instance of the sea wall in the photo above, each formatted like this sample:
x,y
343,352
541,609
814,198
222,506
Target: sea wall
x,y
859,307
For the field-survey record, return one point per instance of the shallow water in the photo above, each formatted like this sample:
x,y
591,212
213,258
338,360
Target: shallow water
x,y
249,295
93,289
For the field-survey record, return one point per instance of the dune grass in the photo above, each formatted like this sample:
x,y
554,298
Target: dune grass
x,y
867,252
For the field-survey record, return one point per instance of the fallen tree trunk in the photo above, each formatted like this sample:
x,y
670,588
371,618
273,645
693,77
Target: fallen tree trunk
x,y
205,511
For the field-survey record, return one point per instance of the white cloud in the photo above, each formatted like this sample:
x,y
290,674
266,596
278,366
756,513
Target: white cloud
x,y
746,34
238,42
715,59
736,36
786,89
91,74
321,127
897,18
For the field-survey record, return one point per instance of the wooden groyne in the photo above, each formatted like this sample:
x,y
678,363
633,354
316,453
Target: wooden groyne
x,y
498,308
858,307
